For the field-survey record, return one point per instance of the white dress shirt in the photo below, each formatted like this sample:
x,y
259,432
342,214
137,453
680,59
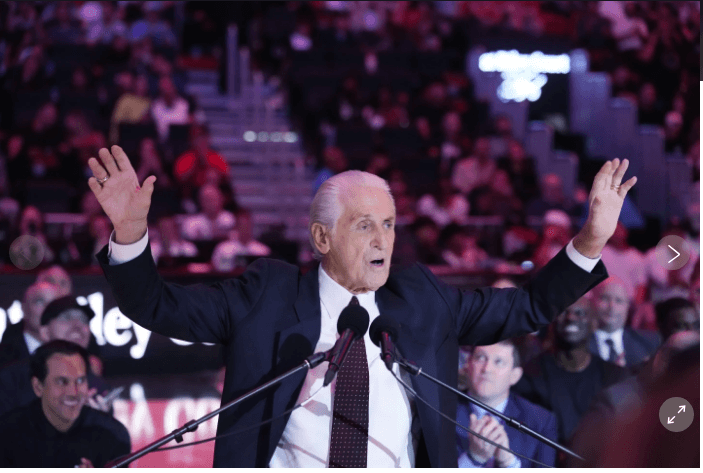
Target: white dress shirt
x,y
393,423
32,343
603,349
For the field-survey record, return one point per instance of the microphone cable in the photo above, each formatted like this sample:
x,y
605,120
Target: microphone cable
x,y
268,421
465,428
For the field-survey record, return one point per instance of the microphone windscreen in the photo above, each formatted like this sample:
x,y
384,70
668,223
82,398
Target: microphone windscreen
x,y
353,317
383,323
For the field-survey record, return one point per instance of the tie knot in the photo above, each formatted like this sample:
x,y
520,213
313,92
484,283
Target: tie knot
x,y
354,301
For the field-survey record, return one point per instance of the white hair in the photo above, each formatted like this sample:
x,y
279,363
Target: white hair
x,y
326,207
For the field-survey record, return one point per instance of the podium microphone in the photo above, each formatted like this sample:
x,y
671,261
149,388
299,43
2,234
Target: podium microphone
x,y
383,333
352,325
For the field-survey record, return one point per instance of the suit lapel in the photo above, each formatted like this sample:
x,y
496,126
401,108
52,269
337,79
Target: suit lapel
x,y
410,342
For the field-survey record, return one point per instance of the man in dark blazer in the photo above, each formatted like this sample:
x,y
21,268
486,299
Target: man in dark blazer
x,y
491,371
271,317
613,341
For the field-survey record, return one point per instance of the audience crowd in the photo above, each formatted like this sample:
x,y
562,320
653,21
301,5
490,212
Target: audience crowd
x,y
378,86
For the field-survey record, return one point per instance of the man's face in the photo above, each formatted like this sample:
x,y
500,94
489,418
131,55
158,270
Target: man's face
x,y
611,305
71,325
573,326
682,320
59,278
491,372
36,299
358,251
64,391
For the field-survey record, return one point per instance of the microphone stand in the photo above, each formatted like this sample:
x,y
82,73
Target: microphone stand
x,y
416,370
311,362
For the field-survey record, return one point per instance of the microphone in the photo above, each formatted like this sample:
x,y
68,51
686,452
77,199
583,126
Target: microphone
x,y
383,333
352,325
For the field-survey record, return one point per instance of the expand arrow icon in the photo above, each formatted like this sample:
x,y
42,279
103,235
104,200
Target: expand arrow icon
x,y
677,253
682,409
671,420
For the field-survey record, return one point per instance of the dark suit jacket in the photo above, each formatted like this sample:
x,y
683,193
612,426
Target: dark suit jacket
x,y
13,346
638,344
268,320
531,415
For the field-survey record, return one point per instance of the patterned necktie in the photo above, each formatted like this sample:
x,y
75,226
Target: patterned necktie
x,y
350,416
612,355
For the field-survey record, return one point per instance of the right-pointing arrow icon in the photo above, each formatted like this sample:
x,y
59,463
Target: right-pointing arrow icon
x,y
682,409
677,253
671,420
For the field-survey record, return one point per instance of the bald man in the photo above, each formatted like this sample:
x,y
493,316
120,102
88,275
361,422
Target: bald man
x,y
23,338
612,340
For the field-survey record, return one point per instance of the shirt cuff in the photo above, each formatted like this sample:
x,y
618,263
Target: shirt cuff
x,y
465,461
118,254
583,262
516,463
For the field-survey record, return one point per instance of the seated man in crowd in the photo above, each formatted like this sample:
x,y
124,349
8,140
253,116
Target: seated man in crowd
x,y
214,222
567,379
58,429
63,319
677,315
21,339
491,371
241,244
57,276
612,340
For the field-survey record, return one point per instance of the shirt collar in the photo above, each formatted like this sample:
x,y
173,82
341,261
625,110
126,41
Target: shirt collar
x,y
602,336
480,411
334,297
32,342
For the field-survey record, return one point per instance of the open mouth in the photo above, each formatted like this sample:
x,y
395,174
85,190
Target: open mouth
x,y
73,403
572,329
377,263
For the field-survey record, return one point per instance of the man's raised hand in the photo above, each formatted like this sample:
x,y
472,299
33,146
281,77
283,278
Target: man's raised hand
x,y
125,203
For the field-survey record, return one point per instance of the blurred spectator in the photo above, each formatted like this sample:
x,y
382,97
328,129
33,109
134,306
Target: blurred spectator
x,y
521,171
57,276
45,128
32,223
462,250
650,108
63,28
476,170
445,205
676,315
59,429
627,263
82,142
21,339
519,240
190,168
334,162
170,244
628,29
497,198
427,233
491,372
552,198
566,381
556,234
30,75
109,25
132,107
695,287
612,340
153,27
100,229
169,108
631,396
674,139
150,163
213,223
405,209
227,254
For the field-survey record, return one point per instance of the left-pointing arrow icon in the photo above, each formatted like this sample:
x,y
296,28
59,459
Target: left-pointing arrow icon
x,y
671,420
677,253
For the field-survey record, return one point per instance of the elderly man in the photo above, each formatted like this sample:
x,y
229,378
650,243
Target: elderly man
x,y
491,372
22,339
612,341
272,316
58,429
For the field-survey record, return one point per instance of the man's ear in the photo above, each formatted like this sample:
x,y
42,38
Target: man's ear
x,y
515,375
44,333
37,386
320,237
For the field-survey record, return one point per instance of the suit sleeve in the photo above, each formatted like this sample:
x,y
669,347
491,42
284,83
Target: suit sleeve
x,y
196,313
545,453
488,315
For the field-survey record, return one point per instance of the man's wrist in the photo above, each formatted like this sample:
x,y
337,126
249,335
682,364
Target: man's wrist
x,y
588,246
477,459
129,236
505,463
